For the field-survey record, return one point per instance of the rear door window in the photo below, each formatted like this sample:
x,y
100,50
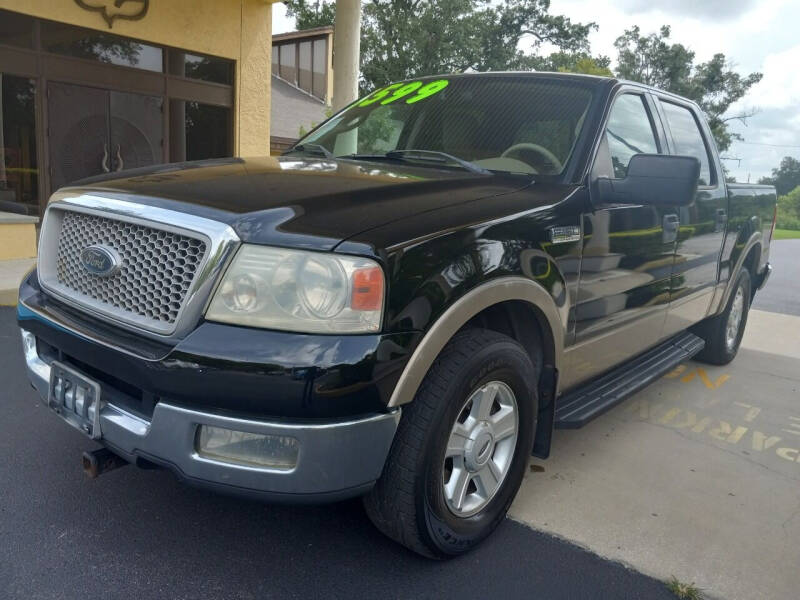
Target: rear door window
x,y
687,138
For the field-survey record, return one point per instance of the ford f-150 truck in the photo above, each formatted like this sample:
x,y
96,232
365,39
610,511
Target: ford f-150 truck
x,y
405,304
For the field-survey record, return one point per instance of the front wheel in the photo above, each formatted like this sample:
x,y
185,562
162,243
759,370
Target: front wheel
x,y
461,448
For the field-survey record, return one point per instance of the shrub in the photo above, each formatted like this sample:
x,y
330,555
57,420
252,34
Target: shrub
x,y
789,210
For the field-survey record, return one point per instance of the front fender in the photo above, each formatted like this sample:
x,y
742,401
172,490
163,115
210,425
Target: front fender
x,y
492,292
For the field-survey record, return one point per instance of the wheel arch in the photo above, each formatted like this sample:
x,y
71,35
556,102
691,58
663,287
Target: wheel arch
x,y
509,294
749,258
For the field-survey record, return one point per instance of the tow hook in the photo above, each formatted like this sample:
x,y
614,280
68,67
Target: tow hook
x,y
100,461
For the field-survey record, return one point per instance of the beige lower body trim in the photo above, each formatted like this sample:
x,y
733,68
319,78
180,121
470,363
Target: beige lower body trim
x,y
466,307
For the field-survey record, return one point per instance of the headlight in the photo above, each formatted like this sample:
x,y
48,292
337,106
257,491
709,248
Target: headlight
x,y
295,290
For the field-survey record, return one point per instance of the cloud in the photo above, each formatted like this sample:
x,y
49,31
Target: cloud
x,y
280,22
769,136
780,86
716,9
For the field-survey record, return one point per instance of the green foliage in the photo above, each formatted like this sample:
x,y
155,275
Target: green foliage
x,y
309,15
376,134
405,38
786,177
303,132
653,60
684,591
789,210
402,39
587,65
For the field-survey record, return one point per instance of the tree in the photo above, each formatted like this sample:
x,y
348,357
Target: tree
x,y
786,177
714,85
401,39
308,15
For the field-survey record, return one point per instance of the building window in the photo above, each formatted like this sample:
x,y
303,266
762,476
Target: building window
x,y
199,131
204,68
16,29
19,189
102,47
303,63
320,69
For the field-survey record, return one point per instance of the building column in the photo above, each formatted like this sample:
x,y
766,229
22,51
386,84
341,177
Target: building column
x,y
346,52
253,81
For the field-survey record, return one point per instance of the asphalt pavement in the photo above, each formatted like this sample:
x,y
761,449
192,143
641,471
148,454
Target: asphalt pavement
x,y
141,534
782,292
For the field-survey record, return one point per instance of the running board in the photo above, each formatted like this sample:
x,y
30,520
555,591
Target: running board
x,y
591,400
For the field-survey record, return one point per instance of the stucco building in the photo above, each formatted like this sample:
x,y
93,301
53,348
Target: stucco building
x,y
92,86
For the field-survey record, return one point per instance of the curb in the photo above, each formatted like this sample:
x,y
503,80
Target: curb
x,y
8,297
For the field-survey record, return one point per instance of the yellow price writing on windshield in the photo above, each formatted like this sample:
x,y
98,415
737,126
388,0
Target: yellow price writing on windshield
x,y
396,91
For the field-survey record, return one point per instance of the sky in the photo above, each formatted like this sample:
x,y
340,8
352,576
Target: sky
x,y
755,35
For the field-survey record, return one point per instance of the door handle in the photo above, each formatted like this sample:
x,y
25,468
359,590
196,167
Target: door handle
x,y
120,163
671,224
104,162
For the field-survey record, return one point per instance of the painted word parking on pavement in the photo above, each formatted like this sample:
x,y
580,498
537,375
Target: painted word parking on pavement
x,y
696,476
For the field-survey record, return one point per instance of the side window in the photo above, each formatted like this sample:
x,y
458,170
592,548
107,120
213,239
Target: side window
x,y
687,137
629,131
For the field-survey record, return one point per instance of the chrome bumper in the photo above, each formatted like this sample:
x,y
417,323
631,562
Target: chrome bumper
x,y
336,459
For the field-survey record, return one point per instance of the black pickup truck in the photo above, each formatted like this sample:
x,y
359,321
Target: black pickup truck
x,y
405,304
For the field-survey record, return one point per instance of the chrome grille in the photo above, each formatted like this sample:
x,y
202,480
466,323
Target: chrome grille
x,y
157,270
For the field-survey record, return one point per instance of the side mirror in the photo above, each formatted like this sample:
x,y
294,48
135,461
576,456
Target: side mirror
x,y
653,179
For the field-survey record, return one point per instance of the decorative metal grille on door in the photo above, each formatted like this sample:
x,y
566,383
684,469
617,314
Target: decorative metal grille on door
x,y
95,131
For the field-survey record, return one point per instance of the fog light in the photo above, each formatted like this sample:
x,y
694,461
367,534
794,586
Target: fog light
x,y
250,449
29,344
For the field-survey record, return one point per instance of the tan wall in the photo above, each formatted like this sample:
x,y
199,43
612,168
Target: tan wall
x,y
253,80
18,240
237,29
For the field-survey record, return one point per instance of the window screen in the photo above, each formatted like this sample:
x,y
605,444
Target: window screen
x,y
687,138
629,132
288,62
304,68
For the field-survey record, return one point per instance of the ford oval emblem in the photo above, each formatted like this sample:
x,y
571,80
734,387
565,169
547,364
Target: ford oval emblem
x,y
100,260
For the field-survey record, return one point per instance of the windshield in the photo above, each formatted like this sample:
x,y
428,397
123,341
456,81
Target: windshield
x,y
502,123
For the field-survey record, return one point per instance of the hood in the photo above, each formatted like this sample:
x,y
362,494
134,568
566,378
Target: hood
x,y
301,202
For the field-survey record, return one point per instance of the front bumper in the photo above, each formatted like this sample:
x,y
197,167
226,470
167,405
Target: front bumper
x,y
338,458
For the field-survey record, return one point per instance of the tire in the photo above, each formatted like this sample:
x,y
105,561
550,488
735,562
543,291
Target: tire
x,y
721,347
416,500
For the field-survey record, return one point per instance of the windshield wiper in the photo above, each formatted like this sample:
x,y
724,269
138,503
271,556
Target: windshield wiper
x,y
436,156
423,156
317,149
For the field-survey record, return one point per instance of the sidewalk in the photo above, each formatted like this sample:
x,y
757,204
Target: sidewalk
x,y
11,274
695,477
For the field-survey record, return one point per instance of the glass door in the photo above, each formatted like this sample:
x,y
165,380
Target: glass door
x,y
19,170
94,131
136,131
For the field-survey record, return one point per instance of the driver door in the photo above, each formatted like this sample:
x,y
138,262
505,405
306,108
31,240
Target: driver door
x,y
624,285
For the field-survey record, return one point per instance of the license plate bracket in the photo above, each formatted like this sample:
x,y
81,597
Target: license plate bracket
x,y
76,398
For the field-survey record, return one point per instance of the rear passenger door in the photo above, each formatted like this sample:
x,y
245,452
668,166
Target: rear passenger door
x,y
701,225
